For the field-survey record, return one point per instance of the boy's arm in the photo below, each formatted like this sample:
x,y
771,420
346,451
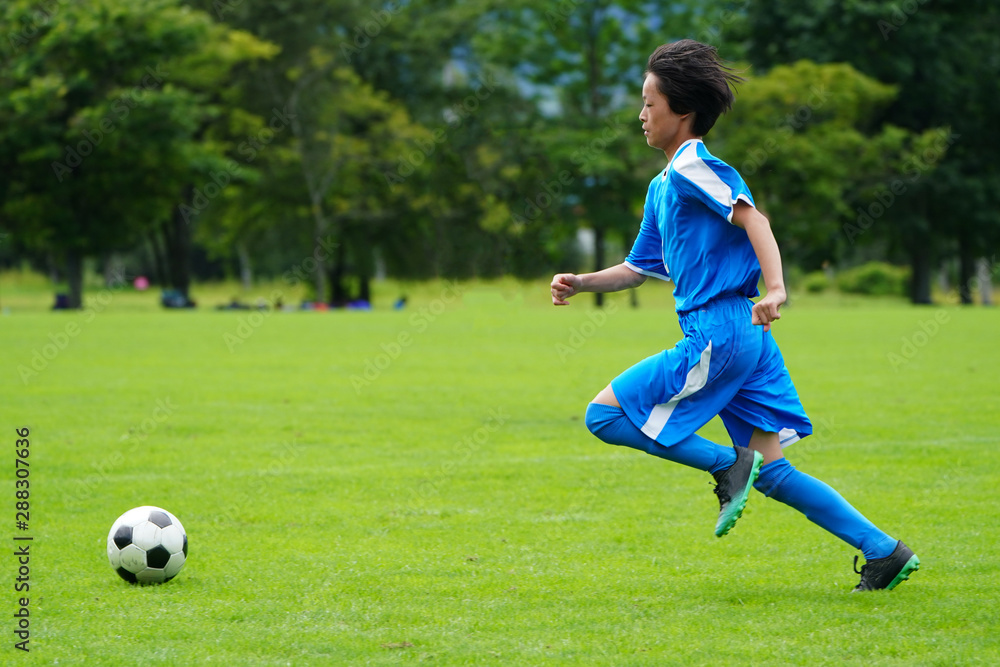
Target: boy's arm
x,y
758,229
612,279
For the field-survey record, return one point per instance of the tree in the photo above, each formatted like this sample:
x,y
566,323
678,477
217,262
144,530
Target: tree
x,y
463,184
343,164
942,57
455,181
102,116
804,138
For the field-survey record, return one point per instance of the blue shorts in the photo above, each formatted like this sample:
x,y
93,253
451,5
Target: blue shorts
x,y
723,366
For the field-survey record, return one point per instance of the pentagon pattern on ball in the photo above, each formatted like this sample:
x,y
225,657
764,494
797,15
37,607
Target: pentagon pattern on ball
x,y
157,557
126,575
159,518
123,536
147,545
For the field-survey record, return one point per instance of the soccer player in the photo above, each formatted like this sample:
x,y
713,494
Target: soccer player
x,y
701,230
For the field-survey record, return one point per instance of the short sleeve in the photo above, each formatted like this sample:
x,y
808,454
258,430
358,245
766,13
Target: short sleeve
x,y
646,256
710,181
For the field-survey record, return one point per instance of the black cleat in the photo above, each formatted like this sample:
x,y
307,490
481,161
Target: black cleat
x,y
887,572
732,485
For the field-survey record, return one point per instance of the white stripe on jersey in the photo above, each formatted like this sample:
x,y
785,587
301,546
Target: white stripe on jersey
x,y
653,274
695,170
696,379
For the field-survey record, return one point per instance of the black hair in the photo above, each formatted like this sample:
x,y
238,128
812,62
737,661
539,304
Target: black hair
x,y
694,79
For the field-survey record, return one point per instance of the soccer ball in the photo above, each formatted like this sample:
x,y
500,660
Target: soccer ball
x,y
147,545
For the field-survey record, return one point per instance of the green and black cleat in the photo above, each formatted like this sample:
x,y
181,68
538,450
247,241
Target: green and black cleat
x,y
733,484
887,572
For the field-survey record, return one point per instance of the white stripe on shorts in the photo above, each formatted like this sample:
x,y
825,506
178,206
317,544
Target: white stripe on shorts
x,y
788,436
697,378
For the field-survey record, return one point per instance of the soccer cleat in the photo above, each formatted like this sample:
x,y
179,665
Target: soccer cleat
x,y
732,485
887,572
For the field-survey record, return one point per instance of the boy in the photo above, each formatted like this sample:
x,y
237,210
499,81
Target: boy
x,y
701,230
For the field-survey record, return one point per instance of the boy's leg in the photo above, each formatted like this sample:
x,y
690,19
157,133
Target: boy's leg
x,y
769,396
610,424
734,469
888,561
659,403
821,504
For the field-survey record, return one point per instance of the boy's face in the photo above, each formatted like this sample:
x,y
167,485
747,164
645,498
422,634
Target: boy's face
x,y
663,128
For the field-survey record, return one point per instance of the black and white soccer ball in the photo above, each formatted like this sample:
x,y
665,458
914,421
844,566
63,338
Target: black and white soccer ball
x,y
147,545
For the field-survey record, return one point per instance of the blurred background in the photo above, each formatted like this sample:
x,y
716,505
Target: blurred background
x,y
334,143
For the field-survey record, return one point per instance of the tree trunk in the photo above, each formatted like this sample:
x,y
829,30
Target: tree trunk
x,y
178,247
246,269
944,282
966,271
920,263
598,261
365,288
594,80
159,257
74,276
114,272
594,63
338,293
984,273
321,268
365,264
317,183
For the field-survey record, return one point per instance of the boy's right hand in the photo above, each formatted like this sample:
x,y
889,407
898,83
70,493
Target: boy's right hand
x,y
565,285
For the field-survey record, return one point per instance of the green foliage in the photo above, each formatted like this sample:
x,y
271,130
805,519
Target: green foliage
x,y
816,282
102,120
874,279
581,65
806,139
941,56
475,138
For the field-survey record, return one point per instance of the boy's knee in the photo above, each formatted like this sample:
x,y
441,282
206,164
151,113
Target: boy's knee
x,y
772,475
765,487
593,418
600,416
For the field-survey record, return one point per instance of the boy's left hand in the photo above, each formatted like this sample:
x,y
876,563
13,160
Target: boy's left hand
x,y
765,311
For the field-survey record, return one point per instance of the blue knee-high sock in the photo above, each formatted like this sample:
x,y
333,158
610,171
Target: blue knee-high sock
x,y
823,506
611,425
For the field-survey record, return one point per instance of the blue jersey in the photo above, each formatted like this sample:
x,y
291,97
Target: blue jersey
x,y
687,234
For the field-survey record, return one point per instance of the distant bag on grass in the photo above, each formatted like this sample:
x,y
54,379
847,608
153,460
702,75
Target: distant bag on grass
x,y
172,298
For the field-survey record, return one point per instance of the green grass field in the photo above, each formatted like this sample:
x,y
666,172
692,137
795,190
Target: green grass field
x,y
394,487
